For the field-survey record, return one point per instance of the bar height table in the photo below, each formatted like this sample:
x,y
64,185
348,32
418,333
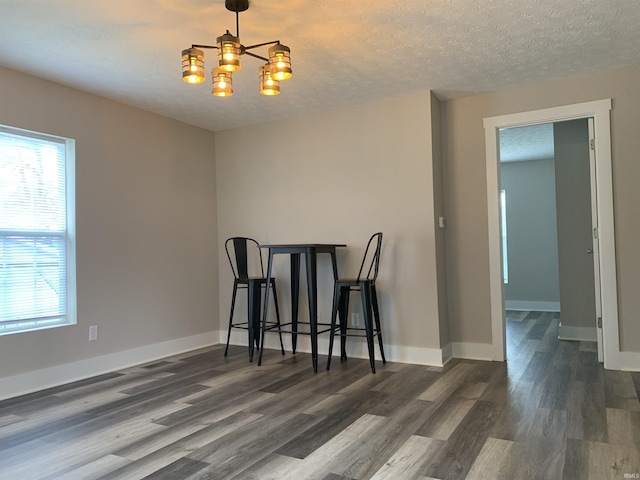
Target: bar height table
x,y
310,251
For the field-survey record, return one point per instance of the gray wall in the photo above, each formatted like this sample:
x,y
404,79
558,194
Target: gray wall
x,y
532,243
147,256
467,235
573,197
344,174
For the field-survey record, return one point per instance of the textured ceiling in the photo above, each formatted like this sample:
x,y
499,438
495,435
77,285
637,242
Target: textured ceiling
x,y
343,52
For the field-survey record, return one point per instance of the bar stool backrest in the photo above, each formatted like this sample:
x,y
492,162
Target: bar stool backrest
x,y
371,259
244,257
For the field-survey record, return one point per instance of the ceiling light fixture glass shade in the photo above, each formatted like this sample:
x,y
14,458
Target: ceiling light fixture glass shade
x,y
280,60
229,48
268,84
222,83
193,65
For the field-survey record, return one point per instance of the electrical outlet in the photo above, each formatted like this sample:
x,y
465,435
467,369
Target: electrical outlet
x,y
355,319
93,333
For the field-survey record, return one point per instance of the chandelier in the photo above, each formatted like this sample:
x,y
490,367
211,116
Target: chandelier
x,y
277,66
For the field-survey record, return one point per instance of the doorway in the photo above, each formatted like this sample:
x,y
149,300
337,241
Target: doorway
x,y
602,175
549,267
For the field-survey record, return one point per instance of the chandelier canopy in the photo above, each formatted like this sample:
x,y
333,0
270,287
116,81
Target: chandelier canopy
x,y
277,65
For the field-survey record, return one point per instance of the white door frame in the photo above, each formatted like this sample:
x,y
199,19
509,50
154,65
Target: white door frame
x,y
600,111
595,250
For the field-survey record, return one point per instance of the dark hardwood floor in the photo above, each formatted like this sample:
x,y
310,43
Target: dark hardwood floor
x,y
550,412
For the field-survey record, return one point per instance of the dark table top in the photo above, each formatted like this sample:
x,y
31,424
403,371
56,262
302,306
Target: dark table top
x,y
304,245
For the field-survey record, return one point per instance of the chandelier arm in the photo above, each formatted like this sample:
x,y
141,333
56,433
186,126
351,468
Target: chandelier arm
x,y
256,56
261,44
204,46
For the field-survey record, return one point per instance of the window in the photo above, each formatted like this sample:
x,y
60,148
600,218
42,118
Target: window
x,y
503,229
37,231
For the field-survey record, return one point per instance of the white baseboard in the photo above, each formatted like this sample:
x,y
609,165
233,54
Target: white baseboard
x,y
578,334
473,351
356,349
526,305
61,374
447,353
70,372
629,361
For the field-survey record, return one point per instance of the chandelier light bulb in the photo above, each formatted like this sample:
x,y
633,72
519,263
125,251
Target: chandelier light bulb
x,y
229,48
268,84
222,83
193,65
280,60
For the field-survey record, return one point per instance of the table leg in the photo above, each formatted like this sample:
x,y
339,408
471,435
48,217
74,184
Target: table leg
x,y
295,298
313,304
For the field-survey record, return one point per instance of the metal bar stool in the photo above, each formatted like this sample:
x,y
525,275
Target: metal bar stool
x,y
365,283
238,252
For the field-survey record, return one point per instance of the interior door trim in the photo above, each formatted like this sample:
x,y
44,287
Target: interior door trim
x,y
599,110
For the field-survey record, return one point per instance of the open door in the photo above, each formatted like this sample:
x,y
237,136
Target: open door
x,y
575,207
596,243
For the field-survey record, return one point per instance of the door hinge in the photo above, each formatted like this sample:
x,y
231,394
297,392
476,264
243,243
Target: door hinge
x,y
595,232
599,322
592,144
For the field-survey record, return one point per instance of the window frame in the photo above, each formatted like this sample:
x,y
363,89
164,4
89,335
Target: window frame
x,y
10,327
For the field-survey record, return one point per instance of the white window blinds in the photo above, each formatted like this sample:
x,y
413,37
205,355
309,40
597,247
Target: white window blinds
x,y
34,237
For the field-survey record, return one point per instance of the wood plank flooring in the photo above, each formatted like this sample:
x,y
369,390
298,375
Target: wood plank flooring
x,y
550,412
